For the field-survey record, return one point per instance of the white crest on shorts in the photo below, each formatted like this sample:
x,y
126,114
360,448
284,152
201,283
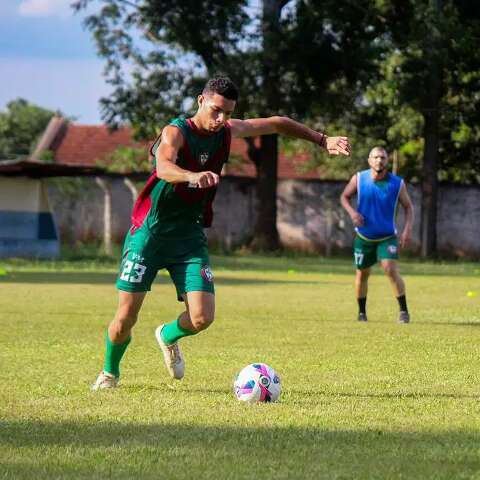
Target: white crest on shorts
x,y
204,158
207,273
392,249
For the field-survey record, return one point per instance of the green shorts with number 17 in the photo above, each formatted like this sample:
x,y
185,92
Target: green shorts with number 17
x,y
367,253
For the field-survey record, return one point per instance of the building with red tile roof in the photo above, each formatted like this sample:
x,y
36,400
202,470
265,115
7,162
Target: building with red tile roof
x,y
77,144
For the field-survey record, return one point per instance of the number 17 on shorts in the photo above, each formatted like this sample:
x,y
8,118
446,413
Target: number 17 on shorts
x,y
358,258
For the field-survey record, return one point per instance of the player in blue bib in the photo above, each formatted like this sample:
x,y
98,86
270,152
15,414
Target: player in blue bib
x,y
378,193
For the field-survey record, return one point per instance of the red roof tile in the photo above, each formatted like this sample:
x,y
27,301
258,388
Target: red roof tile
x,y
87,144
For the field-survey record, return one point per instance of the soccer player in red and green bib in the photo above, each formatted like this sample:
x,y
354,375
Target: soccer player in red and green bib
x,y
378,193
169,217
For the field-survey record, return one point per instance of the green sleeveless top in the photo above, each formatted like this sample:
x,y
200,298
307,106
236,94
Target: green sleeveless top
x,y
183,210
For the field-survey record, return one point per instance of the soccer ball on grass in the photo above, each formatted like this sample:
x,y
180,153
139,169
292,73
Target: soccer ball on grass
x,y
257,382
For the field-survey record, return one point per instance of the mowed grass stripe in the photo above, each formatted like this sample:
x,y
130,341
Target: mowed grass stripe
x,y
361,401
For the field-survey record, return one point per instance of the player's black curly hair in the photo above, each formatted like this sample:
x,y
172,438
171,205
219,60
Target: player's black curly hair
x,y
222,85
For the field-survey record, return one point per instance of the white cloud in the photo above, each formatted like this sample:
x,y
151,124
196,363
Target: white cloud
x,y
36,8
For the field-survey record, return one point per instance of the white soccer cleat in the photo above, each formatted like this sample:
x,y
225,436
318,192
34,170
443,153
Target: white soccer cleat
x,y
172,356
105,380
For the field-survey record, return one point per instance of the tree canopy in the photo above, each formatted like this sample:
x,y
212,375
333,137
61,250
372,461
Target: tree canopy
x,y
398,73
20,126
304,59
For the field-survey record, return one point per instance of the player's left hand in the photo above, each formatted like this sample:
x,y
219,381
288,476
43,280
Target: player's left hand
x,y
338,145
405,238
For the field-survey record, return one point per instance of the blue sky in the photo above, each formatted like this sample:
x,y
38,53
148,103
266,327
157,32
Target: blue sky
x,y
48,58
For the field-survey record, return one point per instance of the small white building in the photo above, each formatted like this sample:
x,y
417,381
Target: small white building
x,y
27,225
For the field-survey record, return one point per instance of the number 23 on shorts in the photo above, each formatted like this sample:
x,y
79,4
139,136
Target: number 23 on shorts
x,y
132,272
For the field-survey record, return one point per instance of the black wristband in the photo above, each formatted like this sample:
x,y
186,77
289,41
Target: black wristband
x,y
323,141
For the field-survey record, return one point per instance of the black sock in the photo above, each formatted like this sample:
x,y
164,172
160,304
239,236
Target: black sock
x,y
402,303
362,304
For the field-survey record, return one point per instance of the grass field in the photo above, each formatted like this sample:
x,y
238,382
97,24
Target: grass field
x,y
360,401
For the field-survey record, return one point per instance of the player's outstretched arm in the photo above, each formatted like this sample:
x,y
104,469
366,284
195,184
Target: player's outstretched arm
x,y
166,156
407,205
286,126
347,194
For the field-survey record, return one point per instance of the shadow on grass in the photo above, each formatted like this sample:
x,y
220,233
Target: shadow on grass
x,y
136,388
450,324
263,264
394,395
110,278
400,325
133,388
59,277
339,265
115,449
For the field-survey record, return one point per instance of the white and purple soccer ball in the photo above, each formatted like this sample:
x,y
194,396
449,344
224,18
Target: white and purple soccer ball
x,y
257,382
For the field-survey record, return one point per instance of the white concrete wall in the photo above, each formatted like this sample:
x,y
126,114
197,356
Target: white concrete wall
x,y
309,215
77,204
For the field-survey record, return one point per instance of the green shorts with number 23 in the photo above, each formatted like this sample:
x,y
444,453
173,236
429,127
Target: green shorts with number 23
x,y
186,260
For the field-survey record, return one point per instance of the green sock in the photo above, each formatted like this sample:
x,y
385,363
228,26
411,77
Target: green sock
x,y
172,332
113,355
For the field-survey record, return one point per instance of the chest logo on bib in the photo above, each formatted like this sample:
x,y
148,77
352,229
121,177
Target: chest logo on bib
x,y
207,273
204,158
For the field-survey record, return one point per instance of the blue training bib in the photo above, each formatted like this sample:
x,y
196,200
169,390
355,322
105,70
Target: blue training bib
x,y
377,202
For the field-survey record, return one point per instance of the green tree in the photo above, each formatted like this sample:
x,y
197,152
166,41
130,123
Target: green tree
x,y
420,98
427,96
296,58
127,160
20,126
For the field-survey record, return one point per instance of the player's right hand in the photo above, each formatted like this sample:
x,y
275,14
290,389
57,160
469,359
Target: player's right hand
x,y
405,238
338,145
203,179
357,219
